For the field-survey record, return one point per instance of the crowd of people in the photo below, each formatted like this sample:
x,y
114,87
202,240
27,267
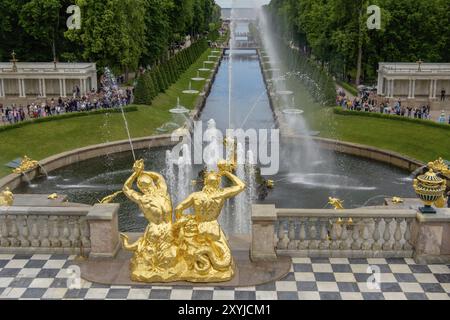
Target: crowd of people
x,y
367,102
104,98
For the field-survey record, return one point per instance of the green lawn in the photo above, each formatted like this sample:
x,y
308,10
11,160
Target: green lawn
x,y
42,140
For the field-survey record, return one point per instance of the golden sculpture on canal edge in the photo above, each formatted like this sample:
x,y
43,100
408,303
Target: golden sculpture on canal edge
x,y
193,248
26,165
336,203
6,198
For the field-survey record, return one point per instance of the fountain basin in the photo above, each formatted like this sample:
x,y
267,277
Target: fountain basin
x,y
293,111
285,93
191,91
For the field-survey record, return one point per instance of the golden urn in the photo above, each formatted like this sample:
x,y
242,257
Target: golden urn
x,y
429,188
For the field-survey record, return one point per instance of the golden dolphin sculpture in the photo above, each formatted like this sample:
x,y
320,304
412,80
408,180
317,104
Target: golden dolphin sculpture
x,y
194,248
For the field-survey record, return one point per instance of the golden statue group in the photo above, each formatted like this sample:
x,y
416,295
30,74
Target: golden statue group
x,y
193,247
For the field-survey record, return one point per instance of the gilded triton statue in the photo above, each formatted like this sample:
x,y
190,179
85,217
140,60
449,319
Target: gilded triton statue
x,y
194,247
155,253
205,246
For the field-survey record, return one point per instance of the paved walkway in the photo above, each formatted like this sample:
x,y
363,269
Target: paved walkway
x,y
46,277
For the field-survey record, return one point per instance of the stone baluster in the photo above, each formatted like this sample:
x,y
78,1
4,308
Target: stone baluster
x,y
398,236
377,236
75,234
344,238
366,235
387,235
303,243
13,232
324,242
283,239
408,245
356,234
4,242
334,235
35,232
24,232
85,233
54,238
65,241
45,234
293,243
313,243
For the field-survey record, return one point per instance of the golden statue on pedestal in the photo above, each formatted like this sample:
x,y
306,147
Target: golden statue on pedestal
x,y
193,248
26,165
6,198
336,203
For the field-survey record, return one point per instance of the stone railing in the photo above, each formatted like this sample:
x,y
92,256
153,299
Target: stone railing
x,y
364,233
79,230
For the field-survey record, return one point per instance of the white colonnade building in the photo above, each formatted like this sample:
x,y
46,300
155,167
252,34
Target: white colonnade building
x,y
415,82
45,79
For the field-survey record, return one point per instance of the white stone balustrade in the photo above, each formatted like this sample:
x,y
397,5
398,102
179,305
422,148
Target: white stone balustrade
x,y
361,232
65,229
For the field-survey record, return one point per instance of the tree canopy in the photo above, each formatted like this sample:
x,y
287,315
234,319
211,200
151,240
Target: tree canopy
x,y
335,32
121,34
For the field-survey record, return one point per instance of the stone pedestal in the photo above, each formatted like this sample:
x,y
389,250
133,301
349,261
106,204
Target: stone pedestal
x,y
263,231
432,234
104,230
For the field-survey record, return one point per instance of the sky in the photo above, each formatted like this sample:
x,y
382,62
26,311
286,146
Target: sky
x,y
241,3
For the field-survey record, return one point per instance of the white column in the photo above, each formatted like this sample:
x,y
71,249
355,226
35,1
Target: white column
x,y
86,89
81,87
380,83
2,88
430,94
409,88
388,87
22,92
413,93
435,89
44,89
60,87
64,88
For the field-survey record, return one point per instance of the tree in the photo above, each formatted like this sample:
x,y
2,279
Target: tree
x,y
114,38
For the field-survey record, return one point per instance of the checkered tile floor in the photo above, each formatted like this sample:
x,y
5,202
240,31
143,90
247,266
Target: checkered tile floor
x,y
46,277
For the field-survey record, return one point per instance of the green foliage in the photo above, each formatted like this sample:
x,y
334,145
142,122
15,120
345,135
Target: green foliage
x,y
162,76
120,34
333,31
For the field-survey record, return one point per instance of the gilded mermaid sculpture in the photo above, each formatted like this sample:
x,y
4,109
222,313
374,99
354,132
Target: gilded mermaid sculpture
x,y
194,248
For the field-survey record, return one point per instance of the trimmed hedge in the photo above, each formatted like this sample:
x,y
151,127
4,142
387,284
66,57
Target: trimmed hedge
x,y
162,76
428,123
348,87
318,81
65,116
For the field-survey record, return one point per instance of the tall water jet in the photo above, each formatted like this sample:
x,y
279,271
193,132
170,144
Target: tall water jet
x,y
170,174
110,85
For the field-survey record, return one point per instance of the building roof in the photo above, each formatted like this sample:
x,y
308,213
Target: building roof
x,y
6,68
